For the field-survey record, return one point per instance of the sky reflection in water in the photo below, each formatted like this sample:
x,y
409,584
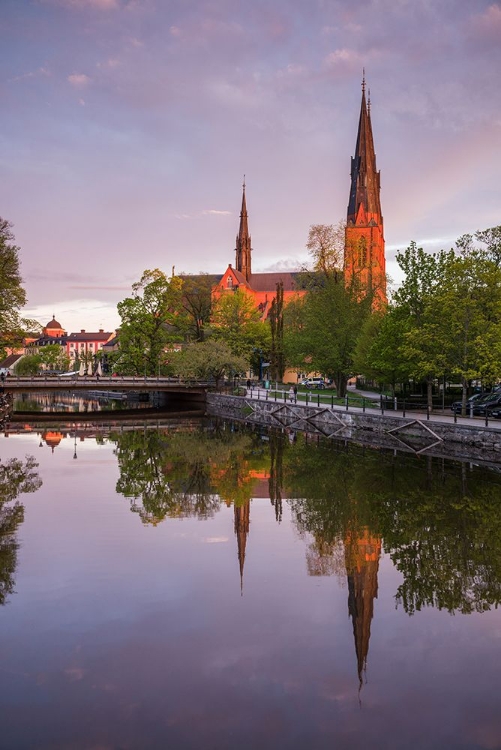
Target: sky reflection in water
x,y
162,600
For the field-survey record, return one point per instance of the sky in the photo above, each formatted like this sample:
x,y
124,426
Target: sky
x,y
127,127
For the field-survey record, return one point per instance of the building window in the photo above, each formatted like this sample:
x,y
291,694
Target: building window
x,y
230,282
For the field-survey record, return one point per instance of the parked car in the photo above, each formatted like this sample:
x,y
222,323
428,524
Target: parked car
x,y
489,405
456,406
313,383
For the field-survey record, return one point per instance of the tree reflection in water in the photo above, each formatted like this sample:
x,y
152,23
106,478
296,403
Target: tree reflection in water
x,y
16,477
438,520
187,473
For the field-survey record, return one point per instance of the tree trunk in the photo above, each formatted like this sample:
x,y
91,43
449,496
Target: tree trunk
x,y
341,384
429,392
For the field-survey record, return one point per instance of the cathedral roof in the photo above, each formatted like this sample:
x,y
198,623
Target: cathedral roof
x,y
267,282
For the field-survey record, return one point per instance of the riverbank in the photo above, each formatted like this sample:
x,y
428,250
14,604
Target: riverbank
x,y
438,435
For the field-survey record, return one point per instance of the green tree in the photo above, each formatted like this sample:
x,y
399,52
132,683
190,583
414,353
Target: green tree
x,y
12,294
28,365
422,344
196,305
448,315
237,322
209,359
490,238
326,246
467,308
295,342
54,357
323,328
326,326
149,323
378,353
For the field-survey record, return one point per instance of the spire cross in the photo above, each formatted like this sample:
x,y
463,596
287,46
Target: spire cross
x,y
244,183
363,80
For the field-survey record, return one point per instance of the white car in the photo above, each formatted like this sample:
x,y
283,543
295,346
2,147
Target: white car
x,y
313,383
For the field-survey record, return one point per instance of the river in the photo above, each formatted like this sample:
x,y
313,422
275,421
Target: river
x,y
200,584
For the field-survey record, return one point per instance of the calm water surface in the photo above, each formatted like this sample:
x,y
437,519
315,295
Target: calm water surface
x,y
209,587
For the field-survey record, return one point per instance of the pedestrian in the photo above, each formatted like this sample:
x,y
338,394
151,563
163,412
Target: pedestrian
x,y
291,394
248,384
295,394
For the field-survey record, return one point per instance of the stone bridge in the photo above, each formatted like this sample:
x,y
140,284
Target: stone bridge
x,y
170,394
195,390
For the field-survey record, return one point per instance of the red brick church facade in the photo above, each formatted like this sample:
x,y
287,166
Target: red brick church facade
x,y
262,287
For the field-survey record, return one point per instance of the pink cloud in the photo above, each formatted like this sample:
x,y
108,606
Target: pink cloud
x,y
484,29
342,57
111,63
79,80
104,5
31,74
490,20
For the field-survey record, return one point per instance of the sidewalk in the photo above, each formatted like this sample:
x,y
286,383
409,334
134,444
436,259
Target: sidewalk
x,y
371,407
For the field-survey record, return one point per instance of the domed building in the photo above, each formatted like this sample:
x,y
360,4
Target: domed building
x,y
53,329
52,438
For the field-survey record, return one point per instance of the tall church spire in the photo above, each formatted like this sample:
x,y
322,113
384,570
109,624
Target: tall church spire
x,y
364,246
242,523
362,553
243,249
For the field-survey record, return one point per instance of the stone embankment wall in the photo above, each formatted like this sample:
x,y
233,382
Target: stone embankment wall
x,y
403,433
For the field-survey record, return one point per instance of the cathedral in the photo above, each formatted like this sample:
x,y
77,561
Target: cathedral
x,y
364,251
261,286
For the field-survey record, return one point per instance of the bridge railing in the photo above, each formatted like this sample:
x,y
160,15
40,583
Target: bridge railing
x,y
113,380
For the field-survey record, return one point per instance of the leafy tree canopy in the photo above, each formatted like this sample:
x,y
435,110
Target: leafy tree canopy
x,y
12,294
209,359
149,323
236,321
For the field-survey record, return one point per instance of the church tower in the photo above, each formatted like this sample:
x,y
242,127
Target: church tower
x,y
243,250
242,523
364,256
362,553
